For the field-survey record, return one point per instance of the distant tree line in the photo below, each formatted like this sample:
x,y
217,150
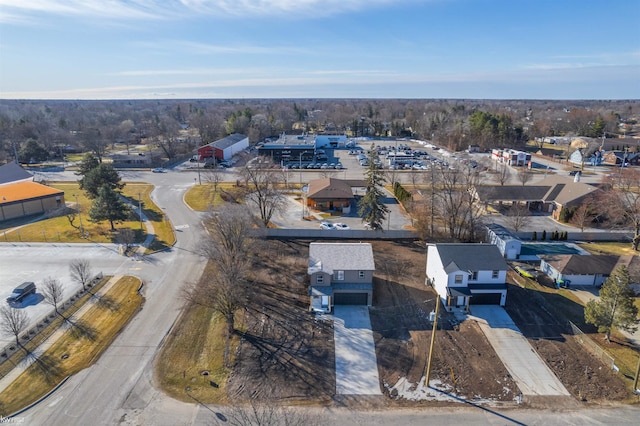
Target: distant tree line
x,y
40,130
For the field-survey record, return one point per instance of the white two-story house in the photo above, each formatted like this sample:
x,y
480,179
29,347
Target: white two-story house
x,y
340,274
464,274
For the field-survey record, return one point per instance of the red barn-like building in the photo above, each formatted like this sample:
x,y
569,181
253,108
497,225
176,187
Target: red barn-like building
x,y
224,148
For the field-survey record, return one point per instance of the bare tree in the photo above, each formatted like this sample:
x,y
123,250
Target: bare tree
x,y
329,173
582,215
267,196
127,237
623,201
452,205
13,321
80,270
502,173
517,216
223,288
214,176
52,292
414,177
524,176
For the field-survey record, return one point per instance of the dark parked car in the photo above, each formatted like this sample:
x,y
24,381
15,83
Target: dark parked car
x,y
21,292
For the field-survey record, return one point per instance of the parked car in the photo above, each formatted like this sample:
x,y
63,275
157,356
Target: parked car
x,y
341,226
158,170
21,292
326,225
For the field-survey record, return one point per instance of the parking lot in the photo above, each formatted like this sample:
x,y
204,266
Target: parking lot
x,y
35,262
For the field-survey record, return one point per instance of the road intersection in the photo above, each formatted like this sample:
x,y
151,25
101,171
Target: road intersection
x,y
120,389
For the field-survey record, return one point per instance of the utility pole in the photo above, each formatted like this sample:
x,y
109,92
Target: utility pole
x,y
433,341
635,381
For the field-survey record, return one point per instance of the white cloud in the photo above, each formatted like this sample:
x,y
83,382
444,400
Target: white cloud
x,y
103,9
13,11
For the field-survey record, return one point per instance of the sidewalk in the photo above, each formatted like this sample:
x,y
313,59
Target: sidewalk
x,y
27,361
141,250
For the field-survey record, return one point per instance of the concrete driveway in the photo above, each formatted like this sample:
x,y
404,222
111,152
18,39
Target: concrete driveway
x,y
356,364
533,376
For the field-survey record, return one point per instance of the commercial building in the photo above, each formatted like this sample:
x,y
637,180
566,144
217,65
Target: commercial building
x,y
225,148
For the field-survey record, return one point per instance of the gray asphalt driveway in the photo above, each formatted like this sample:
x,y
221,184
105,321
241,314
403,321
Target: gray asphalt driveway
x,y
524,364
356,364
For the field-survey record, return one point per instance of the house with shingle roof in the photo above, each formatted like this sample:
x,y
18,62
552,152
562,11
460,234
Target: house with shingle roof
x,y
579,269
632,263
13,172
340,274
329,194
551,195
464,274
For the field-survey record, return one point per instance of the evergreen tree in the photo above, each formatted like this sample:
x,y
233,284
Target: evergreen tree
x,y
108,206
370,207
88,163
96,178
615,308
32,151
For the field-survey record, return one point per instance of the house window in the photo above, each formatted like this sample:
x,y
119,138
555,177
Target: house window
x,y
319,279
339,276
494,273
473,275
458,279
361,275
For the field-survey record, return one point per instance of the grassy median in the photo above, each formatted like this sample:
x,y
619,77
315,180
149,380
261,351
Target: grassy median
x,y
78,348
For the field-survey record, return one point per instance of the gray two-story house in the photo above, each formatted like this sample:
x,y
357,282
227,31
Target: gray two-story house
x,y
340,274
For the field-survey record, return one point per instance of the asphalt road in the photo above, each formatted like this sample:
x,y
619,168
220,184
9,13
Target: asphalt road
x,y
119,388
119,385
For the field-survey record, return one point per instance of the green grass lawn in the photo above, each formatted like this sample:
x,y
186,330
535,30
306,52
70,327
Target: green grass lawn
x,y
618,249
60,229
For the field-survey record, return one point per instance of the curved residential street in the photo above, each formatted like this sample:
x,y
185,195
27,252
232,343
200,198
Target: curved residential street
x,y
119,385
119,388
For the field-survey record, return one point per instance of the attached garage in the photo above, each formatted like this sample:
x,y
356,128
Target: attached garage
x,y
350,299
485,298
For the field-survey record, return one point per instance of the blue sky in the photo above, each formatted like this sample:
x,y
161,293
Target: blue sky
x,y
493,49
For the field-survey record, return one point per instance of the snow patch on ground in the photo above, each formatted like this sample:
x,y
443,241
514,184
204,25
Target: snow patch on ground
x,y
436,391
419,391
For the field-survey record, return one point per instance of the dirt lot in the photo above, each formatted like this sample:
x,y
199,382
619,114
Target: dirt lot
x,y
585,376
287,354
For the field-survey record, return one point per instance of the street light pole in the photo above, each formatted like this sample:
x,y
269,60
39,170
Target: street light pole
x,y
433,341
79,215
300,167
140,209
198,160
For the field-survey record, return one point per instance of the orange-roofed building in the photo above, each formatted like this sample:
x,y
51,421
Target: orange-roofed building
x,y
26,198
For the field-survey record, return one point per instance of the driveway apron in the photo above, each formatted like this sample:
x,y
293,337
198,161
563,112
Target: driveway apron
x,y
526,367
356,364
